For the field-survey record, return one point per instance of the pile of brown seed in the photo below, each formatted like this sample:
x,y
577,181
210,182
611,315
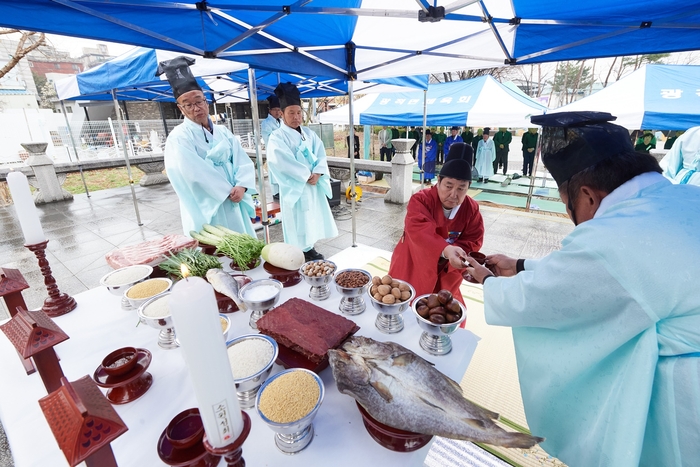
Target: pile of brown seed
x,y
289,397
351,279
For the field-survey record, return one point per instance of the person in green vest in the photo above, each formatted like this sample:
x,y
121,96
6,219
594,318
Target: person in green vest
x,y
502,141
440,140
529,140
414,134
672,139
467,135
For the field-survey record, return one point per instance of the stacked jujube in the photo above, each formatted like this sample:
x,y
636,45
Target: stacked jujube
x,y
388,290
439,308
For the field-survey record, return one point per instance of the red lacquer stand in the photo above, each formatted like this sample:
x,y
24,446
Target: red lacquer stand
x,y
34,334
83,423
58,303
12,283
129,386
232,453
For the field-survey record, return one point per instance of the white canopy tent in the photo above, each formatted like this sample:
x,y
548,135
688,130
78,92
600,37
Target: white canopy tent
x,y
341,116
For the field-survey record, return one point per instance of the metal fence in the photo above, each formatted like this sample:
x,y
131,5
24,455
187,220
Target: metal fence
x,y
102,139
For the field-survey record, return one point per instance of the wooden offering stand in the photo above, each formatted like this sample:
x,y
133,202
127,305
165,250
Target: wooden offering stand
x,y
34,334
12,283
83,422
58,303
127,387
232,453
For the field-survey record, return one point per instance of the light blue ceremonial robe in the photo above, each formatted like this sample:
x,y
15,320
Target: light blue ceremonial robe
x,y
681,164
267,126
485,155
203,168
291,159
607,331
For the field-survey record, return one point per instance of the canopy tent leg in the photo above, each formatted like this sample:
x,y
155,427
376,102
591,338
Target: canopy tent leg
x,y
351,143
122,138
425,120
253,94
75,149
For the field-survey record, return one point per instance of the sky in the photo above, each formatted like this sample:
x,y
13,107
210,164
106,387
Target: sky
x,y
75,45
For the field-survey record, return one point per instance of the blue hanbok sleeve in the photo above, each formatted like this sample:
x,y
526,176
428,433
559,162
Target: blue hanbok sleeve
x,y
289,169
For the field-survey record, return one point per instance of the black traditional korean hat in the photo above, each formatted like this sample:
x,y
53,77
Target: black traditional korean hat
x,y
458,163
288,94
574,141
273,101
179,75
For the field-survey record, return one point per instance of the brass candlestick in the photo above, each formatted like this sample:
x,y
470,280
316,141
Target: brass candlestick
x,y
58,303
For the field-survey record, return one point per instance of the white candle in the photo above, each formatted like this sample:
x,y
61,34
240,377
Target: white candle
x,y
25,208
196,318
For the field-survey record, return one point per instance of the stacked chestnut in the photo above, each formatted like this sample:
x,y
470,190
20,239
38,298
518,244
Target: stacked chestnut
x,y
388,290
439,308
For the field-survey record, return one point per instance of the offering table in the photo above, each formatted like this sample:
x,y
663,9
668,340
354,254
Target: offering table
x,y
99,326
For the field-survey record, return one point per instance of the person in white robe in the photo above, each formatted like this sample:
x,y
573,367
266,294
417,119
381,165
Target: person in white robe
x,y
267,126
297,160
485,155
681,164
607,329
211,173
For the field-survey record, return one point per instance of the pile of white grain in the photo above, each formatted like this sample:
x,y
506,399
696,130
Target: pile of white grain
x,y
249,356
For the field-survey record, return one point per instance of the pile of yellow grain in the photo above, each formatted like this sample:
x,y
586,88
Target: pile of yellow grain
x,y
290,397
147,289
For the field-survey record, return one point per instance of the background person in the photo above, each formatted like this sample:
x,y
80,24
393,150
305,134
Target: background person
x,y
485,155
607,336
529,141
502,140
297,160
267,126
385,138
681,164
428,164
442,225
453,138
207,166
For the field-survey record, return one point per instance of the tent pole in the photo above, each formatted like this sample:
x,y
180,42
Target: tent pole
x,y
253,92
122,138
351,141
534,171
75,149
425,120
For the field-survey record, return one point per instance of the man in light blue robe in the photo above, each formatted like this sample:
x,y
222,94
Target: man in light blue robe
x,y
681,164
607,330
297,160
267,126
485,155
207,166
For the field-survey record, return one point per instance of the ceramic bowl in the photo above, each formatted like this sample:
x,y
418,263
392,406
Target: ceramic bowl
x,y
248,386
120,362
137,302
117,287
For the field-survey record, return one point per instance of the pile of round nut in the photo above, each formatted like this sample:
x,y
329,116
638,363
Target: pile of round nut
x,y
388,290
439,308
318,268
351,279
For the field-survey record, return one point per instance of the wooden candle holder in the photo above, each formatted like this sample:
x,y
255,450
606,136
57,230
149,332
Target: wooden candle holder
x,y
58,303
12,283
232,453
83,422
34,334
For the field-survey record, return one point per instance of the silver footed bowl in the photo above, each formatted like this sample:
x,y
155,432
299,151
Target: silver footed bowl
x,y
259,307
435,338
352,302
137,302
292,437
389,319
247,387
319,284
118,289
166,337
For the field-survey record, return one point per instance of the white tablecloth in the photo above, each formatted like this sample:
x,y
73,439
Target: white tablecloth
x,y
99,326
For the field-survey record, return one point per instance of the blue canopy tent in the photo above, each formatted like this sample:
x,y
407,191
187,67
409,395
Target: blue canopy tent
x,y
655,97
474,102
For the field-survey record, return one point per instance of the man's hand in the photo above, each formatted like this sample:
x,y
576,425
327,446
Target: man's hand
x,y
501,146
502,265
455,255
530,149
236,194
477,271
313,179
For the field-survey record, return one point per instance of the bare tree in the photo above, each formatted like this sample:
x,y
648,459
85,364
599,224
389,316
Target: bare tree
x,y
28,41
